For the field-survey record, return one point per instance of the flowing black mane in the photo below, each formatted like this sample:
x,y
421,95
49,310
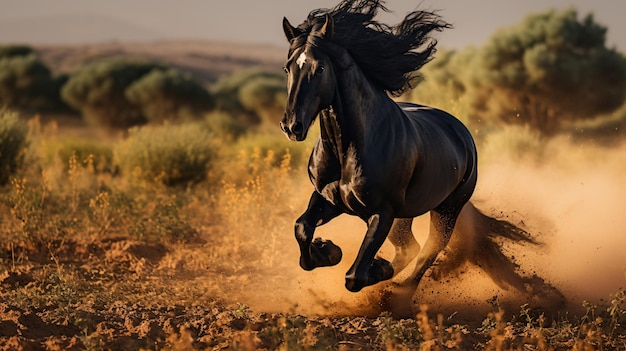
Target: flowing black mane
x,y
388,55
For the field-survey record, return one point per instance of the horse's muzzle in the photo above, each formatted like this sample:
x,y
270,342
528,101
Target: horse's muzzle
x,y
294,131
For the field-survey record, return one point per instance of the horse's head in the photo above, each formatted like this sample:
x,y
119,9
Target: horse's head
x,y
311,78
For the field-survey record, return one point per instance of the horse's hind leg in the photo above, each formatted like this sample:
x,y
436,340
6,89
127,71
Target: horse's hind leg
x,y
406,246
316,253
441,227
442,221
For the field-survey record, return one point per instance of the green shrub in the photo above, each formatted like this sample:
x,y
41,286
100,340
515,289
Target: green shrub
x,y
88,152
259,154
254,95
15,50
225,126
168,154
27,83
266,96
98,89
167,95
12,143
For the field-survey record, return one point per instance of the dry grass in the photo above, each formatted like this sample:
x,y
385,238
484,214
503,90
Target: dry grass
x,y
97,260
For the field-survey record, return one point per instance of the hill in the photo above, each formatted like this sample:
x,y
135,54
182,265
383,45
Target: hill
x,y
205,61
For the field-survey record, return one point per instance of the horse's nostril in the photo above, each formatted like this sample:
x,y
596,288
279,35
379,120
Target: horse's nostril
x,y
296,128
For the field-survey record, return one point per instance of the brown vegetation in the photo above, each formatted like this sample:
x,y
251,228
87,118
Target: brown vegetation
x,y
97,260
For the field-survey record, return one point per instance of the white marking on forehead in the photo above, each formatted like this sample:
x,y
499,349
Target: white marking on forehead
x,y
301,59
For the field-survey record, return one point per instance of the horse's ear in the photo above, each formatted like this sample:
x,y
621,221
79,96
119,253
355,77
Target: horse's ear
x,y
291,32
328,27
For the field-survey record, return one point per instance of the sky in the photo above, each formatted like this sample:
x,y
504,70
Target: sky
x,y
256,21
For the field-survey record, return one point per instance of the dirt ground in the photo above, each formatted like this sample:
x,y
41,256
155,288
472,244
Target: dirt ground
x,y
120,294
238,285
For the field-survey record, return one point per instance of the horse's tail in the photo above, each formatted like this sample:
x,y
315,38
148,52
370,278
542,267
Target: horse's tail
x,y
494,228
478,239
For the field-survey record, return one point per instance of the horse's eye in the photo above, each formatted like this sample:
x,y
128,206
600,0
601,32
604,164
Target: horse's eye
x,y
285,69
320,69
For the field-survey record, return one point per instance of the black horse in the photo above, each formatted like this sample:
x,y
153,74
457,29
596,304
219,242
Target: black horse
x,y
382,161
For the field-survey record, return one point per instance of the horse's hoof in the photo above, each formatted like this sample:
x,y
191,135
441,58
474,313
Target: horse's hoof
x,y
354,285
323,253
380,270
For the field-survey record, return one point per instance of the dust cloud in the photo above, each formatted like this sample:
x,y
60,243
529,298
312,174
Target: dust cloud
x,y
571,199
574,202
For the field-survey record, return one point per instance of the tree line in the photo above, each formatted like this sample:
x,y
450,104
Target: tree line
x,y
124,92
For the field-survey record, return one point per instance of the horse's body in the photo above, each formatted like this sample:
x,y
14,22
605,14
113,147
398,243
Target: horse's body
x,y
379,160
389,163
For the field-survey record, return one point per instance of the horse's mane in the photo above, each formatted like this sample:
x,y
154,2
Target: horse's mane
x,y
388,55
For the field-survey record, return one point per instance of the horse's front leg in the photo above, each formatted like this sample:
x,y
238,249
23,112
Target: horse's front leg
x,y
368,270
318,252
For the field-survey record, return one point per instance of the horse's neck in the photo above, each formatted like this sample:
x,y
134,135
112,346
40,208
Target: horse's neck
x,y
355,110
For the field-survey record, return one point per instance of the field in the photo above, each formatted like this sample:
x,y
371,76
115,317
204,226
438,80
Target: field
x,y
102,249
92,260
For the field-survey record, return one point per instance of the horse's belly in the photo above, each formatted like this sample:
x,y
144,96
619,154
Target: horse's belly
x,y
416,208
425,195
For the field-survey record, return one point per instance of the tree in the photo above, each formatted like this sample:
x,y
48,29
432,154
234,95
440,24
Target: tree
x,y
7,51
168,95
251,95
266,96
26,83
550,68
98,91
445,79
